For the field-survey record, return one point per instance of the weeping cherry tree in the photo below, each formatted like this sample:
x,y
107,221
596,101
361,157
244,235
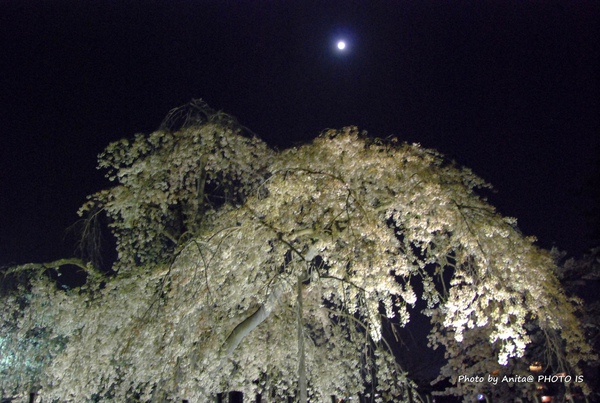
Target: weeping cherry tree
x,y
274,272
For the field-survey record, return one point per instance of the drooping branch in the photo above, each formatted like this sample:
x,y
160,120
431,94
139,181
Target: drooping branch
x,y
89,268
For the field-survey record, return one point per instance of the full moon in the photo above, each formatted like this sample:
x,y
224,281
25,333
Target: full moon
x,y
341,45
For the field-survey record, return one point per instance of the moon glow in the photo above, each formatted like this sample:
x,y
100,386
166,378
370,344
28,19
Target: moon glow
x,y
341,45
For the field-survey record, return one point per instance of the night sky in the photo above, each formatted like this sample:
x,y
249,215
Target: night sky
x,y
507,88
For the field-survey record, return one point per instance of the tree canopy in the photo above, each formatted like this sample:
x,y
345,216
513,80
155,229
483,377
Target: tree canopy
x,y
241,267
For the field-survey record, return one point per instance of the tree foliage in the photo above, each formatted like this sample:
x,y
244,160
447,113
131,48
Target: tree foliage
x,y
228,249
171,183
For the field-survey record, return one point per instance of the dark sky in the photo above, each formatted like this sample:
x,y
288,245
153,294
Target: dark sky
x,y
507,88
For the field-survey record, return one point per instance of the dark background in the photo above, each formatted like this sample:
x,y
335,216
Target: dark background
x,y
507,88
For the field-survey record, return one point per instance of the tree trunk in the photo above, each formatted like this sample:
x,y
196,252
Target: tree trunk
x,y
252,321
301,358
